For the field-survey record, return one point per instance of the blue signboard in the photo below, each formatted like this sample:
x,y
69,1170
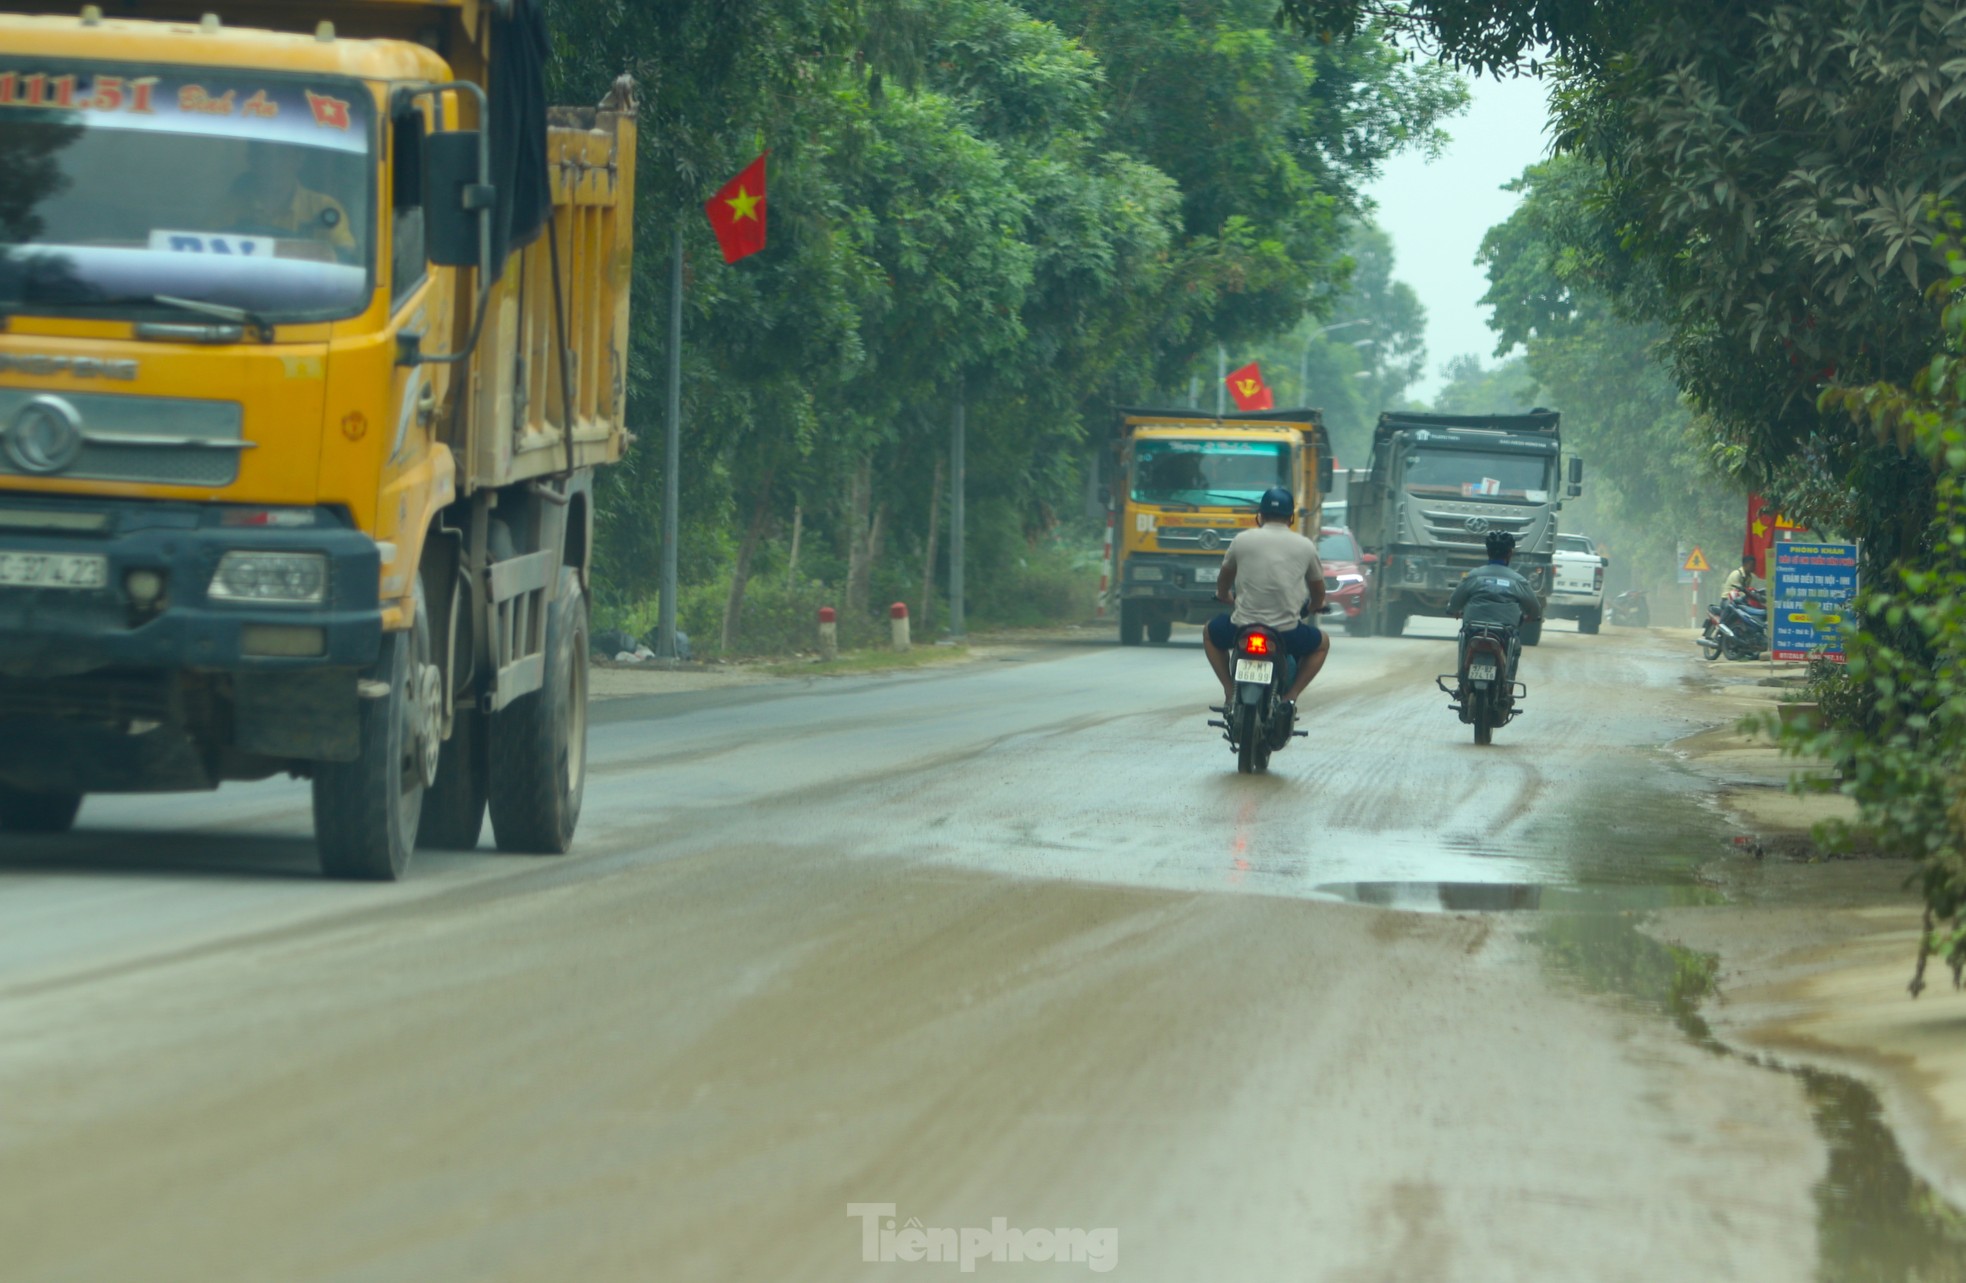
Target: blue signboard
x,y
1810,592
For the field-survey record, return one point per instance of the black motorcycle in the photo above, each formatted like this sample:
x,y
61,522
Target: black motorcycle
x,y
1255,724
1483,694
1631,610
1737,627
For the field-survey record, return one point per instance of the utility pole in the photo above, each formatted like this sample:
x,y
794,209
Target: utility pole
x,y
672,460
956,448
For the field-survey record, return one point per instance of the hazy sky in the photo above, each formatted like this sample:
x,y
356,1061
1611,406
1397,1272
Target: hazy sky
x,y
1437,212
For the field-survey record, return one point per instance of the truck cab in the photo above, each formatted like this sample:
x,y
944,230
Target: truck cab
x,y
1187,484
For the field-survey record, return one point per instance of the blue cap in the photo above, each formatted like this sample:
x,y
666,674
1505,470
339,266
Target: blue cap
x,y
1276,502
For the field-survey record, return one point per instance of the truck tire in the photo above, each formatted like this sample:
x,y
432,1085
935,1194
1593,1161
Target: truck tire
x,y
1393,622
538,745
22,811
1531,634
366,811
1591,620
1160,632
1133,628
454,806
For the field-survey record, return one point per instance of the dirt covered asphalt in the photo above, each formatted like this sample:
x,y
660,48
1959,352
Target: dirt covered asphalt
x,y
1009,947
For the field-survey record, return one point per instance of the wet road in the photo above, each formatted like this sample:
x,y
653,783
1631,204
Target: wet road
x,y
1008,941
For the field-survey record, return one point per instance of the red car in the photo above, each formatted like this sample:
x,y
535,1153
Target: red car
x,y
1344,576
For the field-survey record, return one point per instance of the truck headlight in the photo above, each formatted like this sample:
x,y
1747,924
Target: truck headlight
x,y
274,578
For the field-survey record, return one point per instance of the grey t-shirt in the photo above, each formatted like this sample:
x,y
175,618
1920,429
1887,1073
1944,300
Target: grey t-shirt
x,y
1494,594
1273,564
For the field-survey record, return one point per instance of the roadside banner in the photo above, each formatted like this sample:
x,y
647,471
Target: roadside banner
x,y
1765,526
1810,592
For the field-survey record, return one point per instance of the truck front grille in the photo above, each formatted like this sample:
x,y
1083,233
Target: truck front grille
x,y
166,440
1189,538
1452,527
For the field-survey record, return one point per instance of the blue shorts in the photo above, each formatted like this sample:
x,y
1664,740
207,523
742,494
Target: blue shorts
x,y
1300,641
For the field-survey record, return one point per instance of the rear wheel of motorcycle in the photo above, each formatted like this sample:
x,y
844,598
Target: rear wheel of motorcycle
x,y
1248,733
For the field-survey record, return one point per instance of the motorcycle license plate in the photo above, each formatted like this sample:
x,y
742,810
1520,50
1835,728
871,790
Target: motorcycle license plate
x,y
1481,672
1254,670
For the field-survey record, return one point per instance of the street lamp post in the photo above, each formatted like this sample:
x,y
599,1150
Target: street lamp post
x,y
1304,365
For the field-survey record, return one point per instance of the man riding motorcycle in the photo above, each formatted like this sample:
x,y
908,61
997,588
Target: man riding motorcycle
x,y
1280,579
1495,596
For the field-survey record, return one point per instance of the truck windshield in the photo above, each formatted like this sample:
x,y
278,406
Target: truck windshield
x,y
1473,474
122,182
1208,472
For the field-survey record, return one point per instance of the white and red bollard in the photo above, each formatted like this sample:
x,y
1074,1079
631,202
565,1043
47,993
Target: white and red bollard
x,y
897,624
829,633
1105,569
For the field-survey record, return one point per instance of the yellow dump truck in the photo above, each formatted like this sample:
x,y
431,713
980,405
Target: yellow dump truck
x,y
1186,483
313,328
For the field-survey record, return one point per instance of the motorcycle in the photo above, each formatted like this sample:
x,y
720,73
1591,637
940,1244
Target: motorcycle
x,y
1631,610
1736,626
1253,724
1483,694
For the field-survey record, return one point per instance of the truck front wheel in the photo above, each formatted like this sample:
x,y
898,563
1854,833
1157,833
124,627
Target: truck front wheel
x,y
22,811
366,811
1531,634
539,741
1133,629
1160,631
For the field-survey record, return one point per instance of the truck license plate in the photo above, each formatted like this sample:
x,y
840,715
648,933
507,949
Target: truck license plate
x,y
52,570
1254,670
1205,574
1481,672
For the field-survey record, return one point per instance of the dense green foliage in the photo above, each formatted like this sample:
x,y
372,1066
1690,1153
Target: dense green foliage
x,y
1038,210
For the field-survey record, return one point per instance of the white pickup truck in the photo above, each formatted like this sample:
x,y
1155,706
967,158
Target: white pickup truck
x,y
1578,590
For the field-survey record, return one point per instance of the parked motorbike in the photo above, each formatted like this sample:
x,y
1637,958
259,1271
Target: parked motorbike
x,y
1631,610
1736,626
1483,695
1254,725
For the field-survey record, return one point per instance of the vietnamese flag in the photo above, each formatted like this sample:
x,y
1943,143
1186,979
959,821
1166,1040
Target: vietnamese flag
x,y
1247,387
737,213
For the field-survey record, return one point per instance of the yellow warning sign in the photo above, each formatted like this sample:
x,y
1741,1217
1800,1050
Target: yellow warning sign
x,y
1697,563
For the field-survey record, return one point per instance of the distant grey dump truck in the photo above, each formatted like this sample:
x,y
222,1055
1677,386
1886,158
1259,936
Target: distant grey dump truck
x,y
1437,485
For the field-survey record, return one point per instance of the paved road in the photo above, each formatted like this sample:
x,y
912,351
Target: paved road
x,y
1009,941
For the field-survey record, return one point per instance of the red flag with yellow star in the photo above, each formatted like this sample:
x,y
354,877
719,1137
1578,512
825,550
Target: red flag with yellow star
x,y
1247,387
737,213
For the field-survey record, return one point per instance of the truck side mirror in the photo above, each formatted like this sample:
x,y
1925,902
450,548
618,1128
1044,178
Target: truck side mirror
x,y
1324,474
458,200
1576,477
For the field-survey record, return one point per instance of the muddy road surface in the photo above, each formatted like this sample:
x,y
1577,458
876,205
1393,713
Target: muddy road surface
x,y
850,980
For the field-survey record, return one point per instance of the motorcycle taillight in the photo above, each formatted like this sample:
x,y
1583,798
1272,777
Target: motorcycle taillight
x,y
1256,644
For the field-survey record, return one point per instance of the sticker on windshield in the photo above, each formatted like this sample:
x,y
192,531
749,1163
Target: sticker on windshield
x,y
213,243
329,113
1485,486
1536,496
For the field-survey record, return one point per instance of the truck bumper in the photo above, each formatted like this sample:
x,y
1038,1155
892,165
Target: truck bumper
x,y
1172,587
101,690
1424,578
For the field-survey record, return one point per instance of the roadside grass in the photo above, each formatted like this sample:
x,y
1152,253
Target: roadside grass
x,y
870,661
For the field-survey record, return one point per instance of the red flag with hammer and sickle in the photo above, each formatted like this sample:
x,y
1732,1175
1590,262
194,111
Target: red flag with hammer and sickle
x,y
1247,387
737,213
